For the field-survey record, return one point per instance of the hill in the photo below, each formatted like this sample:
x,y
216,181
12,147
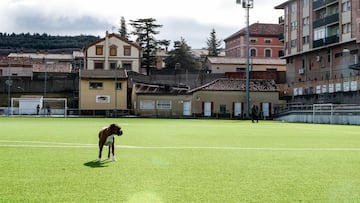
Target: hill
x,y
28,42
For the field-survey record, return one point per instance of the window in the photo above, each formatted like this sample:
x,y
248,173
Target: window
x,y
239,70
127,50
118,85
253,41
293,43
163,104
305,3
319,34
281,53
113,50
293,25
95,85
147,104
222,108
346,28
253,52
267,52
99,65
268,41
346,6
113,65
127,66
305,39
99,50
306,21
293,7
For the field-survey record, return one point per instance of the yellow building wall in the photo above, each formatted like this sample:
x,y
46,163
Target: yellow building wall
x,y
176,104
88,97
229,97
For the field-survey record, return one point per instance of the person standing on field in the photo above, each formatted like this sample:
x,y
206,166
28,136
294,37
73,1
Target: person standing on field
x,y
255,113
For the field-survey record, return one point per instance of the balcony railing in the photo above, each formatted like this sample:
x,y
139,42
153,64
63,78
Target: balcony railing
x,y
330,1
331,39
318,43
332,18
281,20
326,21
318,4
355,66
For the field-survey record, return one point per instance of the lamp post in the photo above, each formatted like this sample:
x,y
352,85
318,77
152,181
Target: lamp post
x,y
247,4
9,84
116,88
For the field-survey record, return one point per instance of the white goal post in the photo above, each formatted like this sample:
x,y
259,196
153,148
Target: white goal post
x,y
39,106
323,113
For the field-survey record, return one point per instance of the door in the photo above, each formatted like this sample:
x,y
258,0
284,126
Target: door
x,y
265,109
207,109
237,109
187,108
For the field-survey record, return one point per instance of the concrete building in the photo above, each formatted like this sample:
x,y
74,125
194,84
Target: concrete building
x,y
221,98
322,41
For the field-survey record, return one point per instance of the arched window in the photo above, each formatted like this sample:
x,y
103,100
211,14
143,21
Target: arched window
x,y
252,52
267,52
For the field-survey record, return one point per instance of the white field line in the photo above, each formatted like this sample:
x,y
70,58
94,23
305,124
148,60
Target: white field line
x,y
40,144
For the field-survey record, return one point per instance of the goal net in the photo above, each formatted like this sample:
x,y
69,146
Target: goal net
x,y
39,106
323,113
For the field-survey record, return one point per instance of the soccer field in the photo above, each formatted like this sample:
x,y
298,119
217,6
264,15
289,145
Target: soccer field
x,y
178,160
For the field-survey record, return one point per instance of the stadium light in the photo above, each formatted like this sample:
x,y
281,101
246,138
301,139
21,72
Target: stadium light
x,y
247,4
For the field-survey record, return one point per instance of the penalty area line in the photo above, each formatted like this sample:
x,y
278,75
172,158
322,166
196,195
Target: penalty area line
x,y
77,145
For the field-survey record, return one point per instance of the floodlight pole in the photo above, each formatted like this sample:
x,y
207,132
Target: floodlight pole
x,y
247,4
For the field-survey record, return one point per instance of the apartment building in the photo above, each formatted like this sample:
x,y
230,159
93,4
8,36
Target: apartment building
x,y
322,41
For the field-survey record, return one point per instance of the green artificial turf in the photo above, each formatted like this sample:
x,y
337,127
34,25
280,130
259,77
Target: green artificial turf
x,y
175,160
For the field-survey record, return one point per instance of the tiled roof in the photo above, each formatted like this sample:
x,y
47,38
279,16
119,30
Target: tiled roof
x,y
55,67
116,36
103,74
259,29
142,88
41,56
237,60
226,84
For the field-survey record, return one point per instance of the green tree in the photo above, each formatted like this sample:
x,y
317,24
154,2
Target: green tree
x,y
213,44
123,30
181,56
145,30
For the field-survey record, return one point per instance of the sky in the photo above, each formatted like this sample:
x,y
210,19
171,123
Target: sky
x,y
192,20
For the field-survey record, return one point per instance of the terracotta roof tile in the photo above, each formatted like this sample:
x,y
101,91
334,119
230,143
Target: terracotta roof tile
x,y
259,29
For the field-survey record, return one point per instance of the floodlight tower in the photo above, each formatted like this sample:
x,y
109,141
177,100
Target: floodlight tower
x,y
247,4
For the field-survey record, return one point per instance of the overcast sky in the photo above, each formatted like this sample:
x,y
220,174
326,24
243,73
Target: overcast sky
x,y
192,20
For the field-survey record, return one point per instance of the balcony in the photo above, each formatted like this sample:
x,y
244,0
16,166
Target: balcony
x,y
331,39
330,1
355,66
318,4
281,20
318,43
326,21
332,18
319,23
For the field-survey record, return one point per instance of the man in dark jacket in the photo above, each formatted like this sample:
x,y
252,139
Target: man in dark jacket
x,y
255,113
